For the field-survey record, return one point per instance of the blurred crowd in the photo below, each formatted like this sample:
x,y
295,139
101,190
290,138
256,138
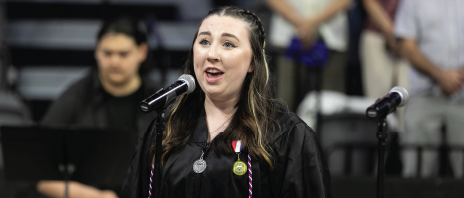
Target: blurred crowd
x,y
323,53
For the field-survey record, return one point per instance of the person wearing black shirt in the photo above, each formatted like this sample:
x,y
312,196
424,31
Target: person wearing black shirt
x,y
229,138
108,96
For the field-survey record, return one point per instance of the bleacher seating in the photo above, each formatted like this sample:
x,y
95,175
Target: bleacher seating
x,y
50,37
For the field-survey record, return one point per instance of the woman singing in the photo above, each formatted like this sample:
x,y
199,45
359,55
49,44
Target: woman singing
x,y
229,138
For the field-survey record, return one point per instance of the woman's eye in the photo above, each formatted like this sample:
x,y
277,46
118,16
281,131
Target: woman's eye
x,y
204,42
228,44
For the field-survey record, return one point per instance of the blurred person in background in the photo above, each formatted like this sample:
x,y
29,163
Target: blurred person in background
x,y
13,110
382,67
308,20
108,96
431,38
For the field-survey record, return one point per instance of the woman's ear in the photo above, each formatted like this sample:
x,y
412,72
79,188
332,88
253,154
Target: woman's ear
x,y
251,67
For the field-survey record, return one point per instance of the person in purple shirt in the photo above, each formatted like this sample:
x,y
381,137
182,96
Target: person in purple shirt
x,y
382,67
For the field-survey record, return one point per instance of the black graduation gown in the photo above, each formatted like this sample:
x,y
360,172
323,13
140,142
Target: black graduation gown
x,y
299,168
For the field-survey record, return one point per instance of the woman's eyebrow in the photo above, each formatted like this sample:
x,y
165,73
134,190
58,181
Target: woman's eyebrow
x,y
223,34
204,33
230,35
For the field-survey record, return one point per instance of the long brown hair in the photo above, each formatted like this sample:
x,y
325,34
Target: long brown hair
x,y
253,122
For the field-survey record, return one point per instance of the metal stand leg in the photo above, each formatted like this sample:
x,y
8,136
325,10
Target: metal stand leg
x,y
159,140
67,170
381,136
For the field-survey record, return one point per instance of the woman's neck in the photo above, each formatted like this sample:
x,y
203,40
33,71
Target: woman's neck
x,y
219,108
218,115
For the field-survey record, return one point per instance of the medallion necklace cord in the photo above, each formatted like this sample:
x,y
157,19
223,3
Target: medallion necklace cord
x,y
216,131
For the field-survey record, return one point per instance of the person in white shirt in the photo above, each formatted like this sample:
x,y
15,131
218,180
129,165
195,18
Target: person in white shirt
x,y
430,34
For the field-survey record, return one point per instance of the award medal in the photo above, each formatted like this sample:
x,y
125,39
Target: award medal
x,y
200,165
239,168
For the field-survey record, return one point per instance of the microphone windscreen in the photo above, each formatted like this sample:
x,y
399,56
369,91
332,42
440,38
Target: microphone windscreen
x,y
189,80
403,93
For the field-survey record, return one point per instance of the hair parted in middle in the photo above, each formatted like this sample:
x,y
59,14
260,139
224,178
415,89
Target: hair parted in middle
x,y
252,123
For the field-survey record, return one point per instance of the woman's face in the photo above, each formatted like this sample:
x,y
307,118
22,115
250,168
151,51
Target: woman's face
x,y
222,57
119,58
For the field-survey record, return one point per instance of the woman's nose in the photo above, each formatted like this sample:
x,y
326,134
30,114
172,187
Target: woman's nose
x,y
213,54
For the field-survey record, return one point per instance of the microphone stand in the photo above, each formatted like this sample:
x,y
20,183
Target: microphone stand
x,y
381,136
160,126
67,170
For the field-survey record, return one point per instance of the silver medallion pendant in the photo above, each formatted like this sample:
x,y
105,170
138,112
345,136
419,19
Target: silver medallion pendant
x,y
199,166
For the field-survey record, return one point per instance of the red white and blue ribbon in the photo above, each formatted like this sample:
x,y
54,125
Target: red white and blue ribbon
x,y
151,180
250,178
237,145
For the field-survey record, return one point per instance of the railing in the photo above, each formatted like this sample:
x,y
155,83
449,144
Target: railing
x,y
368,150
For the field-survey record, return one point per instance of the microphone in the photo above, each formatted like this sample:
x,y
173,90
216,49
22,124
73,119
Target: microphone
x,y
163,97
397,97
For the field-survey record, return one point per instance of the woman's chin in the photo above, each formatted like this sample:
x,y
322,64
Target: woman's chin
x,y
212,94
221,96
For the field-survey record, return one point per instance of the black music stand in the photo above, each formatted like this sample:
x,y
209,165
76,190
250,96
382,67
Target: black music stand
x,y
92,156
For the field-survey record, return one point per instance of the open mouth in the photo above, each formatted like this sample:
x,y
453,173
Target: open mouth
x,y
213,75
